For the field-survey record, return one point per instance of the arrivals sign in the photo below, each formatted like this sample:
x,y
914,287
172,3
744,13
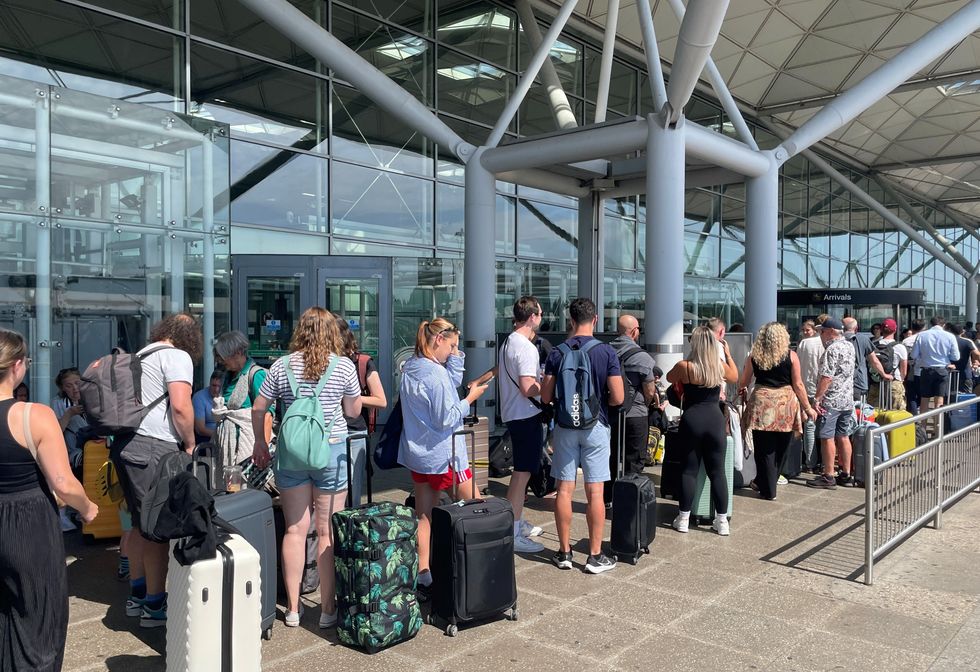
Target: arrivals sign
x,y
858,296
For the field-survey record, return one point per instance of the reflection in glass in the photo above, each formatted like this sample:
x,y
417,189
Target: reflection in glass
x,y
732,259
471,89
381,205
619,241
546,231
450,219
625,294
276,299
481,29
416,15
567,57
622,84
365,133
229,22
536,114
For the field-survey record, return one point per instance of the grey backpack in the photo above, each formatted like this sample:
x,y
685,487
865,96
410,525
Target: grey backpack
x,y
112,394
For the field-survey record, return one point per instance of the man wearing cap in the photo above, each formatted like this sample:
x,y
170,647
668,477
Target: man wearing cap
x,y
898,367
835,403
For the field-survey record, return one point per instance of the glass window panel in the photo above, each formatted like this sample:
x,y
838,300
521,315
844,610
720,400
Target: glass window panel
x,y
619,242
550,197
704,113
818,238
567,57
252,240
164,12
622,83
278,188
229,22
838,273
701,213
794,198
481,29
405,58
818,271
17,158
362,247
840,245
536,115
450,219
733,213
625,293
732,259
555,286
471,89
416,15
794,269
546,231
381,205
120,59
624,206
423,289
364,132
258,100
701,254
796,168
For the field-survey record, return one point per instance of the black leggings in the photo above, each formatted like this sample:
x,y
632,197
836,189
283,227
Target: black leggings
x,y
770,451
703,441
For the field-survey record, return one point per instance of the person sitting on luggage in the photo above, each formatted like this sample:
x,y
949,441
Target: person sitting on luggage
x,y
33,581
68,409
898,368
701,435
772,413
432,412
373,399
582,433
316,346
232,407
835,405
203,401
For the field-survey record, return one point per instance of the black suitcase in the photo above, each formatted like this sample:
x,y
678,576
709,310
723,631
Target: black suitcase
x,y
250,513
671,470
634,509
472,561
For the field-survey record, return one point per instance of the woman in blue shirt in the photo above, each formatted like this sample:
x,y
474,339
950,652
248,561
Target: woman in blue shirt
x,y
432,411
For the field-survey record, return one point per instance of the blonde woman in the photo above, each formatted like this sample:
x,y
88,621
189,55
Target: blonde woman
x,y
432,411
702,428
33,581
773,410
316,346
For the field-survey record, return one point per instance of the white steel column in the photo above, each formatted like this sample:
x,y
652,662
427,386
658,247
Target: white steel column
x,y
479,271
41,348
972,289
588,236
699,30
655,71
560,107
761,246
207,263
663,319
605,66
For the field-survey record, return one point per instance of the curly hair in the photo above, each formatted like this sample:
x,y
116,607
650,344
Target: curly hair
x,y
771,346
183,331
316,337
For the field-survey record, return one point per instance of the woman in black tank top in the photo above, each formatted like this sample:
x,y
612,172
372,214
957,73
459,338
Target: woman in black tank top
x,y
702,429
773,410
33,581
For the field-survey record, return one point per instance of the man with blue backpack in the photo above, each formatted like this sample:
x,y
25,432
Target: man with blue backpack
x,y
582,377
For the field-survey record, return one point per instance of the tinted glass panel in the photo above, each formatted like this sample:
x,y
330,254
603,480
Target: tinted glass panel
x,y
381,205
164,12
536,113
568,58
622,84
416,15
619,241
484,30
546,231
471,89
450,205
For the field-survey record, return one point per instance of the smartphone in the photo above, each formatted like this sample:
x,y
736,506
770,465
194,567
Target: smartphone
x,y
489,380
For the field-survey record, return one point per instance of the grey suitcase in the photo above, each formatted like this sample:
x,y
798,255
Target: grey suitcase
x,y
703,511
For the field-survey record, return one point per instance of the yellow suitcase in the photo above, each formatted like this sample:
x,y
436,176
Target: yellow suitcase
x,y
106,524
900,440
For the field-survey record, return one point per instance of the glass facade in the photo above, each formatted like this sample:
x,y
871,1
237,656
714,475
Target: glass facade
x,y
311,164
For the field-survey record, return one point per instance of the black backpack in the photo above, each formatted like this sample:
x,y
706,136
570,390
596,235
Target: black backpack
x,y
885,352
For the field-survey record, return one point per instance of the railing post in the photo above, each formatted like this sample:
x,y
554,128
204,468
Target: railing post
x,y
937,522
869,508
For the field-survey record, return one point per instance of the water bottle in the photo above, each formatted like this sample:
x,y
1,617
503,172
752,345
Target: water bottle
x,y
809,442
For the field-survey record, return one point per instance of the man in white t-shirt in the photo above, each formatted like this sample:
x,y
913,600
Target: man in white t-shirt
x,y
168,375
897,368
518,385
912,371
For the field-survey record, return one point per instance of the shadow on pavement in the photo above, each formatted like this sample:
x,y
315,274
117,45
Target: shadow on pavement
x,y
840,555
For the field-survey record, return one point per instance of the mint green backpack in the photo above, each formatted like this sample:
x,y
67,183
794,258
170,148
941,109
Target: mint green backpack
x,y
301,444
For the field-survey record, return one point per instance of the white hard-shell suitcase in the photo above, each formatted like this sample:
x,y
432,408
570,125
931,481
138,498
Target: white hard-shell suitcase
x,y
214,611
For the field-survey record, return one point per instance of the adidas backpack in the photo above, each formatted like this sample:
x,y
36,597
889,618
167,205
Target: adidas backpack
x,y
577,399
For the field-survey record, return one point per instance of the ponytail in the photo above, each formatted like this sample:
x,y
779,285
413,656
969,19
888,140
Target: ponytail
x,y
427,333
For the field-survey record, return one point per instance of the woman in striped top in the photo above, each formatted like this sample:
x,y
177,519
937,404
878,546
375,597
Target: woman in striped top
x,y
316,342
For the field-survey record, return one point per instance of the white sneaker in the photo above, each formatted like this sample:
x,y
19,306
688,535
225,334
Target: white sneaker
x,y
292,617
782,480
720,525
328,620
681,523
525,545
529,530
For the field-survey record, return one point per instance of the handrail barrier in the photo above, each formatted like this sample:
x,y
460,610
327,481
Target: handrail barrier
x,y
906,492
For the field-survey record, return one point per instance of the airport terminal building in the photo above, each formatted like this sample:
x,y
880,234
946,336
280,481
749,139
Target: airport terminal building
x,y
444,157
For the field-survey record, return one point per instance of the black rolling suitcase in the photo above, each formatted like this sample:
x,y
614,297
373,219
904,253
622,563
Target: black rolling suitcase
x,y
472,561
249,512
671,470
634,508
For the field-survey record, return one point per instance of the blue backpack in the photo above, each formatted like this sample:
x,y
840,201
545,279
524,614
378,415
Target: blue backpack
x,y
577,399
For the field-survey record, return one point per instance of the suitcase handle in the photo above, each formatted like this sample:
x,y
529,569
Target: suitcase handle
x,y
452,465
348,503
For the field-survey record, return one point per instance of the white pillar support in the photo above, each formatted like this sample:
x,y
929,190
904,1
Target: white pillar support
x,y
542,54
480,272
560,107
605,66
655,71
349,66
663,319
207,262
761,246
699,30
898,68
950,249
590,272
543,179
41,348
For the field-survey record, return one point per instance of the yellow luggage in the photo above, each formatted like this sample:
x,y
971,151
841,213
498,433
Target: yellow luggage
x,y
106,525
900,440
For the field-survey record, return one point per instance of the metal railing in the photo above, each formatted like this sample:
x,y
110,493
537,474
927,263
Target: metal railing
x,y
904,493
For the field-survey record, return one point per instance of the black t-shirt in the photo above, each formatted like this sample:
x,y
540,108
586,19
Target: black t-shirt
x,y
359,424
963,363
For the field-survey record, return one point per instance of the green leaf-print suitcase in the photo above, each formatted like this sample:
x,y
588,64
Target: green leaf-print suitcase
x,y
376,560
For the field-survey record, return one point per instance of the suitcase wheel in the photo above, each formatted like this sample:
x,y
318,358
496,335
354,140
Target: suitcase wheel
x,y
452,630
633,559
646,549
267,634
512,614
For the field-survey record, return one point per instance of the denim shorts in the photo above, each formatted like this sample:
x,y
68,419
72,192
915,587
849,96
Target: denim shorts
x,y
331,478
586,448
835,424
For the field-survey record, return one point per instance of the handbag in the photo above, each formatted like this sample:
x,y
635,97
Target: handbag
x,y
386,450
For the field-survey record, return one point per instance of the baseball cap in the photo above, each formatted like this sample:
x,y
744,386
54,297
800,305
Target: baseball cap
x,y
832,323
889,325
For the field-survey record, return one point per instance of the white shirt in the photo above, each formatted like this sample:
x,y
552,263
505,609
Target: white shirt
x,y
169,365
907,344
518,357
809,352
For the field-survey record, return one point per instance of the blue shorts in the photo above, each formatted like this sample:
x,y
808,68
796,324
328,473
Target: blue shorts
x,y
834,424
331,478
586,448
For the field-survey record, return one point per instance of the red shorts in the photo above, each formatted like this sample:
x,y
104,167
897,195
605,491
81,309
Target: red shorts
x,y
442,481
